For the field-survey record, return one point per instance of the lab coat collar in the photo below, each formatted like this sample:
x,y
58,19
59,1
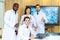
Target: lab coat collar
x,y
28,15
26,25
13,11
38,12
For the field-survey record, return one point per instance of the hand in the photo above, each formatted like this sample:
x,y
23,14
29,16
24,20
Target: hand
x,y
32,37
33,28
36,25
17,25
42,20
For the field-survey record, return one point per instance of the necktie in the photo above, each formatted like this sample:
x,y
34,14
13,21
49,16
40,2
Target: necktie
x,y
27,26
15,12
37,13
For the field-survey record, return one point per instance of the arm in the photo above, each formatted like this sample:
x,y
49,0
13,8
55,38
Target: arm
x,y
17,24
32,30
7,19
21,22
44,18
34,20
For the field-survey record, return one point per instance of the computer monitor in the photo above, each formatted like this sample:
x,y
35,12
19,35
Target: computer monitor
x,y
51,13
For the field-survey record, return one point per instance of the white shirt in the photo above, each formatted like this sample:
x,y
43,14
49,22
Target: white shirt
x,y
23,32
10,19
32,20
41,25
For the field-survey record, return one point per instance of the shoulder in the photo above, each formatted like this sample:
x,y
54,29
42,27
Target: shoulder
x,y
21,27
31,16
23,15
8,12
17,14
35,12
42,13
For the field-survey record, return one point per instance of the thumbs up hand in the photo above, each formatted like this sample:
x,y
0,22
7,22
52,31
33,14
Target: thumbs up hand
x,y
42,20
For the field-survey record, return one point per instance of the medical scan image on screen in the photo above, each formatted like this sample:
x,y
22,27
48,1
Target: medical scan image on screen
x,y
51,13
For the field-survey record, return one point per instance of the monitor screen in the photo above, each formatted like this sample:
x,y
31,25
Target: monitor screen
x,y
51,13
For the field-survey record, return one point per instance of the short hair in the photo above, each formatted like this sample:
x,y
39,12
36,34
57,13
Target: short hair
x,y
26,17
15,4
37,5
26,9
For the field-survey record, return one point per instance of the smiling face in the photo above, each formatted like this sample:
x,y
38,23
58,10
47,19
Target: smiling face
x,y
27,11
38,8
15,6
27,21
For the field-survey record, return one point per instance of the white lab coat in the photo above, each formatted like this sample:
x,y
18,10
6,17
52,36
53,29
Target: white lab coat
x,y
23,32
32,20
41,25
10,19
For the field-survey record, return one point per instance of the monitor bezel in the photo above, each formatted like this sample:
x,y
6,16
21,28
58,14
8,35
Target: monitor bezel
x,y
54,24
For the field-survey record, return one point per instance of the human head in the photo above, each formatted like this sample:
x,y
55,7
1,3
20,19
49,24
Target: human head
x,y
15,6
27,20
27,10
38,7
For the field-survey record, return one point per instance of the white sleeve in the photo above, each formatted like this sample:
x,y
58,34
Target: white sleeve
x,y
31,30
22,19
33,21
45,18
21,35
7,21
17,17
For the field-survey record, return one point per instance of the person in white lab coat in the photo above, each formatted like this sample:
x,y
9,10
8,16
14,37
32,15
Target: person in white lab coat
x,y
28,14
40,19
10,23
25,30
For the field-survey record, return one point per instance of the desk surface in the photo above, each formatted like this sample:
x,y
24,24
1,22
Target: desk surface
x,y
51,36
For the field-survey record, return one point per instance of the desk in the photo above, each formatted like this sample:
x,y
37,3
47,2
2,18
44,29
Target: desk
x,y
52,36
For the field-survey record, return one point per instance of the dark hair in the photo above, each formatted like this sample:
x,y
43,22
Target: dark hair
x,y
37,5
15,4
26,17
26,9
